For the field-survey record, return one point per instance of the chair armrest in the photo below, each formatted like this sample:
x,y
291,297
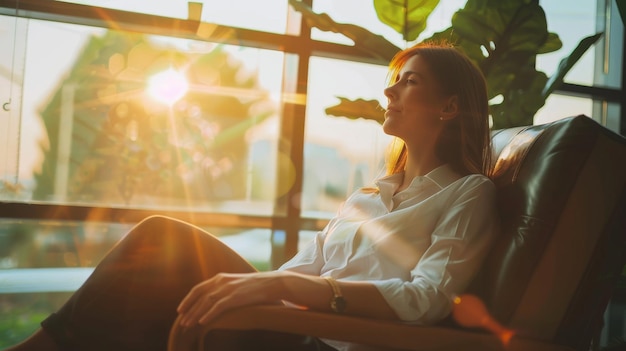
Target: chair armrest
x,y
382,333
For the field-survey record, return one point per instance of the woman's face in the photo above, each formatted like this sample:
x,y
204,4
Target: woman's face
x,y
415,103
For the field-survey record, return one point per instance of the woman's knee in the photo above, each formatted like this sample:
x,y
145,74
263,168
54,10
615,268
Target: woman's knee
x,y
159,226
156,221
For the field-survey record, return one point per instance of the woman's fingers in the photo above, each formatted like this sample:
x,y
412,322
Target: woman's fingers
x,y
202,306
223,292
190,299
218,305
206,298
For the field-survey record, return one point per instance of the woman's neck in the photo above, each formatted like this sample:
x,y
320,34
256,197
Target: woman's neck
x,y
418,166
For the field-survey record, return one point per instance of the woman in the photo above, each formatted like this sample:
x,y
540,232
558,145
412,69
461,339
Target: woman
x,y
399,250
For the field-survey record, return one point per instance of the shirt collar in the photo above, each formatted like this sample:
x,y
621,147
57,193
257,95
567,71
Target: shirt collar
x,y
441,176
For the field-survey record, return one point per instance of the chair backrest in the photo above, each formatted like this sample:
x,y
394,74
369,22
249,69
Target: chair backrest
x,y
562,197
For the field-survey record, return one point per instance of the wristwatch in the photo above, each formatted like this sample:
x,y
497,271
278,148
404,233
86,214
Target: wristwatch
x,y
337,303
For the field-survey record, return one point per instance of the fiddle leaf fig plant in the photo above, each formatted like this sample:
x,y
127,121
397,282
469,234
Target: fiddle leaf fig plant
x,y
503,37
407,17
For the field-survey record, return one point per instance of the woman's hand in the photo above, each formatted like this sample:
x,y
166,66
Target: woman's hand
x,y
226,291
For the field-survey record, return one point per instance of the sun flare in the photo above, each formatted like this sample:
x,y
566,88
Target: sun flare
x,y
167,86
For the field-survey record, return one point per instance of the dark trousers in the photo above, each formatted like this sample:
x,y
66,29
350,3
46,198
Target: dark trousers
x,y
129,302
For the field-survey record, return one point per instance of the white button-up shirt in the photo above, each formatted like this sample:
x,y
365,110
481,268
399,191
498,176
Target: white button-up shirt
x,y
419,247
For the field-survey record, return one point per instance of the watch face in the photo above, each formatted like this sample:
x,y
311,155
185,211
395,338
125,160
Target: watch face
x,y
338,304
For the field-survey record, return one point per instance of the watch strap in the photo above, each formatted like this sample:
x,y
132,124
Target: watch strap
x,y
338,302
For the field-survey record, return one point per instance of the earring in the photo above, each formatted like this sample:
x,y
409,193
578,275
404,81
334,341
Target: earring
x,y
441,118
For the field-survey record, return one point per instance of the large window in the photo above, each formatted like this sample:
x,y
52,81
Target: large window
x,y
340,154
210,111
130,120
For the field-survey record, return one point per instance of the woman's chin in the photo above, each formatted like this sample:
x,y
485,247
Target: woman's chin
x,y
389,128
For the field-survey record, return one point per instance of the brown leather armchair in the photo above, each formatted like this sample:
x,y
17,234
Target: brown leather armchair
x,y
562,201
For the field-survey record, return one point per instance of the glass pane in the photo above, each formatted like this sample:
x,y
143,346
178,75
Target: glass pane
x,y
252,244
609,115
562,106
364,15
44,244
11,82
120,119
580,19
576,21
610,50
43,262
267,16
34,244
166,8
341,154
21,314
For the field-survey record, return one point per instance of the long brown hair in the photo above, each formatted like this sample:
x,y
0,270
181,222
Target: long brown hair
x,y
465,142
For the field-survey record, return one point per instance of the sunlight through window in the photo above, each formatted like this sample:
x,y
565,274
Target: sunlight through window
x,y
167,86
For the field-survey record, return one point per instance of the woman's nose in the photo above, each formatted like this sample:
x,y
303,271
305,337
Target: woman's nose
x,y
388,92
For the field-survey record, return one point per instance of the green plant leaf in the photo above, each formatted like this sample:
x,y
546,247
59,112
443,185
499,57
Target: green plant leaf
x,y
553,43
407,17
504,28
359,108
504,38
477,28
567,63
375,45
520,104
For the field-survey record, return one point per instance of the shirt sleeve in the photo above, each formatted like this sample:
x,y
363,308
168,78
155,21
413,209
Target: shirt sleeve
x,y
310,259
459,244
